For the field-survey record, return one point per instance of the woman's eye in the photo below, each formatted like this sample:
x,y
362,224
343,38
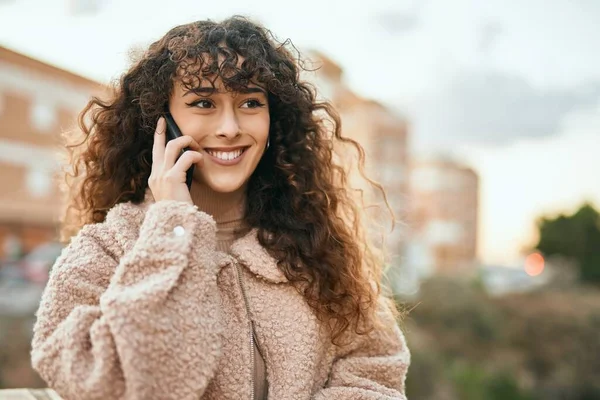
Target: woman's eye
x,y
203,104
200,104
252,103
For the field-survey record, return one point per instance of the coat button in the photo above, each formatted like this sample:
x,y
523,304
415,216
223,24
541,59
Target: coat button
x,y
178,230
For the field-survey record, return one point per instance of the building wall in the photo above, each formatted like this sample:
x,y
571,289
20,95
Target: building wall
x,y
444,212
384,136
37,103
435,200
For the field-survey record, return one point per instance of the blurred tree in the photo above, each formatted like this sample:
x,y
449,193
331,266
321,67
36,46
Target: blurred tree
x,y
576,236
539,345
504,386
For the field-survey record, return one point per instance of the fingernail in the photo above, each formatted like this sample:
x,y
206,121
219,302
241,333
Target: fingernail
x,y
161,126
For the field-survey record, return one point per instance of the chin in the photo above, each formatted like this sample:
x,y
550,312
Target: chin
x,y
224,187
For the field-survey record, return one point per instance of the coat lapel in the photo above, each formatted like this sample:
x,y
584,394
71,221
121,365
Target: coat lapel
x,y
256,258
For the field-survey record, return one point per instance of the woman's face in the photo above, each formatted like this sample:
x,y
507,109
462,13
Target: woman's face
x,y
232,129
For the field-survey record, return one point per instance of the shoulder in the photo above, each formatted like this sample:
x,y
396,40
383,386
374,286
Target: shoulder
x,y
125,214
118,231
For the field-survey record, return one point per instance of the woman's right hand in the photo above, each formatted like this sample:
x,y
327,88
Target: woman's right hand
x,y
167,178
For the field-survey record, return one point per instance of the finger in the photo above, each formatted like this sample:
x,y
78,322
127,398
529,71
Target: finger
x,y
158,148
188,159
175,147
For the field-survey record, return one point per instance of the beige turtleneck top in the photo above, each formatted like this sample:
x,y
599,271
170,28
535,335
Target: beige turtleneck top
x,y
228,209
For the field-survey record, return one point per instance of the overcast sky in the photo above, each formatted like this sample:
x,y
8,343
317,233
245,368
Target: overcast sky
x,y
510,87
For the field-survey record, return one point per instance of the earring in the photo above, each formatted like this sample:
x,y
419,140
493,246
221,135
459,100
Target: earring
x,y
268,143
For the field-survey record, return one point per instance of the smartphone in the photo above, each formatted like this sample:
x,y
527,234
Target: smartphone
x,y
173,132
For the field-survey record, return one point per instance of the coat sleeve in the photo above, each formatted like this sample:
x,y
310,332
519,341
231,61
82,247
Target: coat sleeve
x,y
125,327
372,367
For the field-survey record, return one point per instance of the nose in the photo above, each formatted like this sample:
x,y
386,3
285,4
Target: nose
x,y
229,127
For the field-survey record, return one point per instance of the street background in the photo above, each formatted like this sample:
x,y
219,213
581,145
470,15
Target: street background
x,y
481,120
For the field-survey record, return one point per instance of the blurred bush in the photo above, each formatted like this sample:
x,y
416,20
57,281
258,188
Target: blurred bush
x,y
469,346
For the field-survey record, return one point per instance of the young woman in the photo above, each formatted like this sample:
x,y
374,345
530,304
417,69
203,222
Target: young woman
x,y
257,281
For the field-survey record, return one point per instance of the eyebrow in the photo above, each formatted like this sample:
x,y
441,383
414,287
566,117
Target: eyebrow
x,y
253,89
207,91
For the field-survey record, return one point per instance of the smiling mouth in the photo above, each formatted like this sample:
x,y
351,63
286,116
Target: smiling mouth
x,y
228,155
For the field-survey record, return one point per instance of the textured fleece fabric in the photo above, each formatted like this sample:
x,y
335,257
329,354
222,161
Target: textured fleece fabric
x,y
142,306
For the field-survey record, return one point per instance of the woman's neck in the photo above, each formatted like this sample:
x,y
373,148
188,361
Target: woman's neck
x,y
223,207
227,209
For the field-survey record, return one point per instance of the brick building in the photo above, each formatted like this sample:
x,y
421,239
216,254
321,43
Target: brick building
x,y
383,134
443,215
38,101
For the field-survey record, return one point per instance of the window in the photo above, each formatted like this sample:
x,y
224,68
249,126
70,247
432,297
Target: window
x,y
39,182
43,116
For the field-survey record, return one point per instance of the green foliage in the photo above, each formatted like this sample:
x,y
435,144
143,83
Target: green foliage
x,y
469,382
576,236
474,383
426,375
528,346
504,386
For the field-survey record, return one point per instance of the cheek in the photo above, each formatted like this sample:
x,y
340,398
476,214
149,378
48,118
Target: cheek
x,y
198,128
261,128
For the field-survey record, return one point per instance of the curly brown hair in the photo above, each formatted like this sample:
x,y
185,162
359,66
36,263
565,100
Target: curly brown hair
x,y
297,197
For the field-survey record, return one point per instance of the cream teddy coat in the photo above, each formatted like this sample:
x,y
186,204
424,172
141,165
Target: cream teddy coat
x,y
142,306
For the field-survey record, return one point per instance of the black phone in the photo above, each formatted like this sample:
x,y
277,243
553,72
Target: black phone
x,y
173,132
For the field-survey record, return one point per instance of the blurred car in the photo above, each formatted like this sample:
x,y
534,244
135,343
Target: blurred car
x,y
22,281
37,264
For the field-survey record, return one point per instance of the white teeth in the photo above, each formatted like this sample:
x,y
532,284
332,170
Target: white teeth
x,y
225,155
